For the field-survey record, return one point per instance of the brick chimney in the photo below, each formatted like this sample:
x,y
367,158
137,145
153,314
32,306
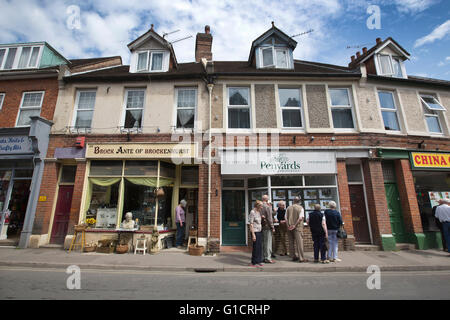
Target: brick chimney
x,y
364,50
378,40
358,54
203,45
353,58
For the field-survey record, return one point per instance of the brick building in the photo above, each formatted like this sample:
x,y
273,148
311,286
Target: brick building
x,y
360,135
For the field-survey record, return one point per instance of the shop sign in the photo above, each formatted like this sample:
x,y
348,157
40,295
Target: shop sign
x,y
288,162
140,151
430,160
15,145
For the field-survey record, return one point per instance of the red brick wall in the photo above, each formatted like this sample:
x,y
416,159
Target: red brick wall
x,y
408,199
215,214
376,199
344,197
14,90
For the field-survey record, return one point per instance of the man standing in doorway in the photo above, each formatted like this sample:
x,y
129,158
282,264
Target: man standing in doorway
x,y
294,221
268,229
443,214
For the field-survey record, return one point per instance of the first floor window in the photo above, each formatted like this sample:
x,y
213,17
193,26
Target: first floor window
x,y
186,103
30,106
2,97
238,108
388,110
431,109
291,105
134,106
341,108
84,108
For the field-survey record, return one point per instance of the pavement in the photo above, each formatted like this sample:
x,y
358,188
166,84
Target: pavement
x,y
175,260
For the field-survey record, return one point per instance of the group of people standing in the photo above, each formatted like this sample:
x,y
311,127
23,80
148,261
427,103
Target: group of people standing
x,y
323,226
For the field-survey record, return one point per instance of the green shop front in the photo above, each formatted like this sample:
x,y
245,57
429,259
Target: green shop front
x,y
146,179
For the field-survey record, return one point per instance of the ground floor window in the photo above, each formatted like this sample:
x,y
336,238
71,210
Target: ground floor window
x,y
430,186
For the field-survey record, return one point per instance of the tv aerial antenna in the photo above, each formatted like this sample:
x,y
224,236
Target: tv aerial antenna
x,y
357,46
302,33
167,33
181,39
177,40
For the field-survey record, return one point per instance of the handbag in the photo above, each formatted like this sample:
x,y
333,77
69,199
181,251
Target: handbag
x,y
341,233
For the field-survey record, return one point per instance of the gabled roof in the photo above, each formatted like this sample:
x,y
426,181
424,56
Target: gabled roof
x,y
152,34
272,31
378,47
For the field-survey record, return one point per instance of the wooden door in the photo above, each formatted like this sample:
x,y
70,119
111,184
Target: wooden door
x,y
395,212
233,217
62,214
359,214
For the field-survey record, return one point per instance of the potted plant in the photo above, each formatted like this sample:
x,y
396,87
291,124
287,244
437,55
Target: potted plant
x,y
91,222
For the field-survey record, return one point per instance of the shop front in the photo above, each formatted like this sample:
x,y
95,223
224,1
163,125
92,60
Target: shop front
x,y
146,179
21,169
283,175
431,174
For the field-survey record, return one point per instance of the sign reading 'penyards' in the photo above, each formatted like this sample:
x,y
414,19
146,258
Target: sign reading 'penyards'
x,y
288,162
140,151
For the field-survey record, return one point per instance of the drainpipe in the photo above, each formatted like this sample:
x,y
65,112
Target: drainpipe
x,y
210,87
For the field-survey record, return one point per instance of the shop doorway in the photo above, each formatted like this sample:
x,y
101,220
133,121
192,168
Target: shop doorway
x,y
359,214
233,218
395,212
62,214
17,207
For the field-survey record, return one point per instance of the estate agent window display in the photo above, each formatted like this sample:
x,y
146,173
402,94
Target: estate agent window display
x,y
119,186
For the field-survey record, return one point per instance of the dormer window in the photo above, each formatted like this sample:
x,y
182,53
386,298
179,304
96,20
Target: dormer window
x,y
390,66
25,57
152,61
272,57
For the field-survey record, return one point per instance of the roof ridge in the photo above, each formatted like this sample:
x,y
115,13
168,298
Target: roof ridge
x,y
324,65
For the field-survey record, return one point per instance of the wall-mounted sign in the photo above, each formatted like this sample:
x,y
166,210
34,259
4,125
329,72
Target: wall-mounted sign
x,y
15,145
42,198
430,160
141,150
435,196
287,162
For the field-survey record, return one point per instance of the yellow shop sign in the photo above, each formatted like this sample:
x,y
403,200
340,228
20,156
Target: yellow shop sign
x,y
140,150
432,160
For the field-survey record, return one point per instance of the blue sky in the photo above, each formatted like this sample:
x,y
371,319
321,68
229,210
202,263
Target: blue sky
x,y
422,27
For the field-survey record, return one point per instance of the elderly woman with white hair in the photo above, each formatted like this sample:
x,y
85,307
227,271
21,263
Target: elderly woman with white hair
x,y
334,222
180,219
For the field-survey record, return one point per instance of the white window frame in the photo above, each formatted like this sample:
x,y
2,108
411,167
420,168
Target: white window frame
x,y
378,65
249,106
175,117
2,97
124,113
274,57
389,110
18,54
29,108
137,60
292,108
431,112
150,53
350,106
75,115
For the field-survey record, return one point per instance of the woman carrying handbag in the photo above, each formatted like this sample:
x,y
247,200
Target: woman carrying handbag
x,y
334,223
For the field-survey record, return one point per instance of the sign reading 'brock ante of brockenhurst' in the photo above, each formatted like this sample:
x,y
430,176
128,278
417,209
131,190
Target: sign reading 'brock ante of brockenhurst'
x,y
140,150
288,162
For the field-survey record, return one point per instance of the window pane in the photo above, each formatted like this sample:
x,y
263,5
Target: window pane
x,y
239,118
84,119
267,57
23,61
342,118
2,96
339,97
106,168
86,100
289,97
135,99
142,61
257,182
397,68
433,124
24,117
185,118
292,118
189,175
186,98
167,170
23,173
320,181
32,100
386,100
141,168
354,173
68,174
2,56
390,121
282,58
238,96
157,61
385,64
432,104
34,57
280,181
233,183
10,58
133,119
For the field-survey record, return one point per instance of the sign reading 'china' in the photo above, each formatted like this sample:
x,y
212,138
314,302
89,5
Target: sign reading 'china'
x,y
140,150
422,160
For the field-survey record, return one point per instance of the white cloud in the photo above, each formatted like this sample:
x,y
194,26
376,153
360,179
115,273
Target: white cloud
x,y
437,34
414,6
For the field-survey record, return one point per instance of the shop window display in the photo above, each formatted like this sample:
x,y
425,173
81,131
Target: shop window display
x,y
103,205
